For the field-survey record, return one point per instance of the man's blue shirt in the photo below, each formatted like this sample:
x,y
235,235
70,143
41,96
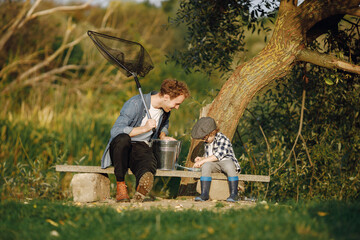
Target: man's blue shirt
x,y
131,115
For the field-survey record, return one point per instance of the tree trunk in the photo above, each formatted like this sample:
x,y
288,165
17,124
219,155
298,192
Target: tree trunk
x,y
274,61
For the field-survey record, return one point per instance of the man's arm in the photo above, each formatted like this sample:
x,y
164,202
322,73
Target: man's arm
x,y
128,114
150,124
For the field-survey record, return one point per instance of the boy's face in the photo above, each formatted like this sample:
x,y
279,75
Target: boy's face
x,y
209,138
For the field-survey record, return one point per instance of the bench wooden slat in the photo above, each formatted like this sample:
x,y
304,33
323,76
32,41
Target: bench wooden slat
x,y
160,173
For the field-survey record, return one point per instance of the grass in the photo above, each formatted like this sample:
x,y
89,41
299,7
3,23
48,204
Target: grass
x,y
62,220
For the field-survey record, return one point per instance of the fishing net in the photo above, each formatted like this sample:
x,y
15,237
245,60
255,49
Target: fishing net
x,y
129,57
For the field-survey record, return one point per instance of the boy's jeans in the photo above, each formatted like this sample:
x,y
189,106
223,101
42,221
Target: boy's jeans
x,y
226,166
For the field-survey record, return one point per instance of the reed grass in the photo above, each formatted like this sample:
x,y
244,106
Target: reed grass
x,y
68,125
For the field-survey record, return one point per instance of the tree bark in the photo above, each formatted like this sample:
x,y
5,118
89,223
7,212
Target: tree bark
x,y
274,61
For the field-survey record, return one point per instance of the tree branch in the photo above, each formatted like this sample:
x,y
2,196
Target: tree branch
x,y
298,135
306,150
265,138
49,74
328,61
287,5
329,10
53,10
109,11
14,66
32,9
354,12
51,58
47,61
10,31
26,15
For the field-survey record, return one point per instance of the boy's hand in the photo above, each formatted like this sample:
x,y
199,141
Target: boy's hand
x,y
197,159
198,164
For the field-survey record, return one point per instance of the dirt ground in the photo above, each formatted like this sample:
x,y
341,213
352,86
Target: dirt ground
x,y
182,203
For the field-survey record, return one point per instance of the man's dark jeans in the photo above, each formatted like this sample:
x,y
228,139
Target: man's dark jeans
x,y
137,156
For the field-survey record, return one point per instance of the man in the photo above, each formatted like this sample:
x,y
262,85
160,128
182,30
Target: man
x,y
132,132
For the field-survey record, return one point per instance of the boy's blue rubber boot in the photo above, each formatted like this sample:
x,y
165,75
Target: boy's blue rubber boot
x,y
205,189
233,188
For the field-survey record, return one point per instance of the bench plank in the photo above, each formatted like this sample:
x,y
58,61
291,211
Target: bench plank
x,y
160,173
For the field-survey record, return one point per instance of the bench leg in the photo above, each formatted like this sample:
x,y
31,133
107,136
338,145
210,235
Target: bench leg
x,y
90,187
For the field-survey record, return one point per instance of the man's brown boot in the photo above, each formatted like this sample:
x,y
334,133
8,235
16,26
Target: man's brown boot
x,y
144,187
121,192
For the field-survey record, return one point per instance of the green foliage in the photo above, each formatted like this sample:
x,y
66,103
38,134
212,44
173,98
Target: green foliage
x,y
28,155
66,117
326,163
215,32
308,220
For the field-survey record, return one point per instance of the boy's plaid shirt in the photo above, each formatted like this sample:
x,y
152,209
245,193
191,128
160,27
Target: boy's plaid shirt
x,y
222,149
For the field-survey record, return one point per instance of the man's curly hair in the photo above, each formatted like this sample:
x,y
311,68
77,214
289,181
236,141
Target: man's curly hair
x,y
174,88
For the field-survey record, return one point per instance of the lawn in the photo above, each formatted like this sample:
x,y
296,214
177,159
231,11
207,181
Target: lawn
x,y
41,219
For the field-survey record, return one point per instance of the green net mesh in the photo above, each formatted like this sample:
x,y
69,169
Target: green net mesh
x,y
129,57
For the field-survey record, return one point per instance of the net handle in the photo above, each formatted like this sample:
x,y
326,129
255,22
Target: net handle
x,y
142,96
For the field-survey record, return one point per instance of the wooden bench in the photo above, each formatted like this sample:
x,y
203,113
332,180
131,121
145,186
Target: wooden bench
x,y
159,173
90,184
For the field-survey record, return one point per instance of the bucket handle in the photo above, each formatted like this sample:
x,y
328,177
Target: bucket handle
x,y
178,152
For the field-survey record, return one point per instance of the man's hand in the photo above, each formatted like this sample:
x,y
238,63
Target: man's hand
x,y
168,138
164,137
150,124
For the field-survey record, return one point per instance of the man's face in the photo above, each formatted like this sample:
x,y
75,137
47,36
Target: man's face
x,y
169,104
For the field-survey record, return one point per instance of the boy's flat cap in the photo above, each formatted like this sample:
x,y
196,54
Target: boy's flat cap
x,y
203,127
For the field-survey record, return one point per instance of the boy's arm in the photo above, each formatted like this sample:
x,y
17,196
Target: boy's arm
x,y
211,158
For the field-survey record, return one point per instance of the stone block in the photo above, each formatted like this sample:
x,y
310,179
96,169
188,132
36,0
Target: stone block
x,y
90,187
219,189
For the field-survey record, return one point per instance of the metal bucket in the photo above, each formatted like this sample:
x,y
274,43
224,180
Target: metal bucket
x,y
166,153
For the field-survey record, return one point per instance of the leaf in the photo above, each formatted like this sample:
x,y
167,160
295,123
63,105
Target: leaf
x,y
322,214
54,233
328,81
52,222
210,230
